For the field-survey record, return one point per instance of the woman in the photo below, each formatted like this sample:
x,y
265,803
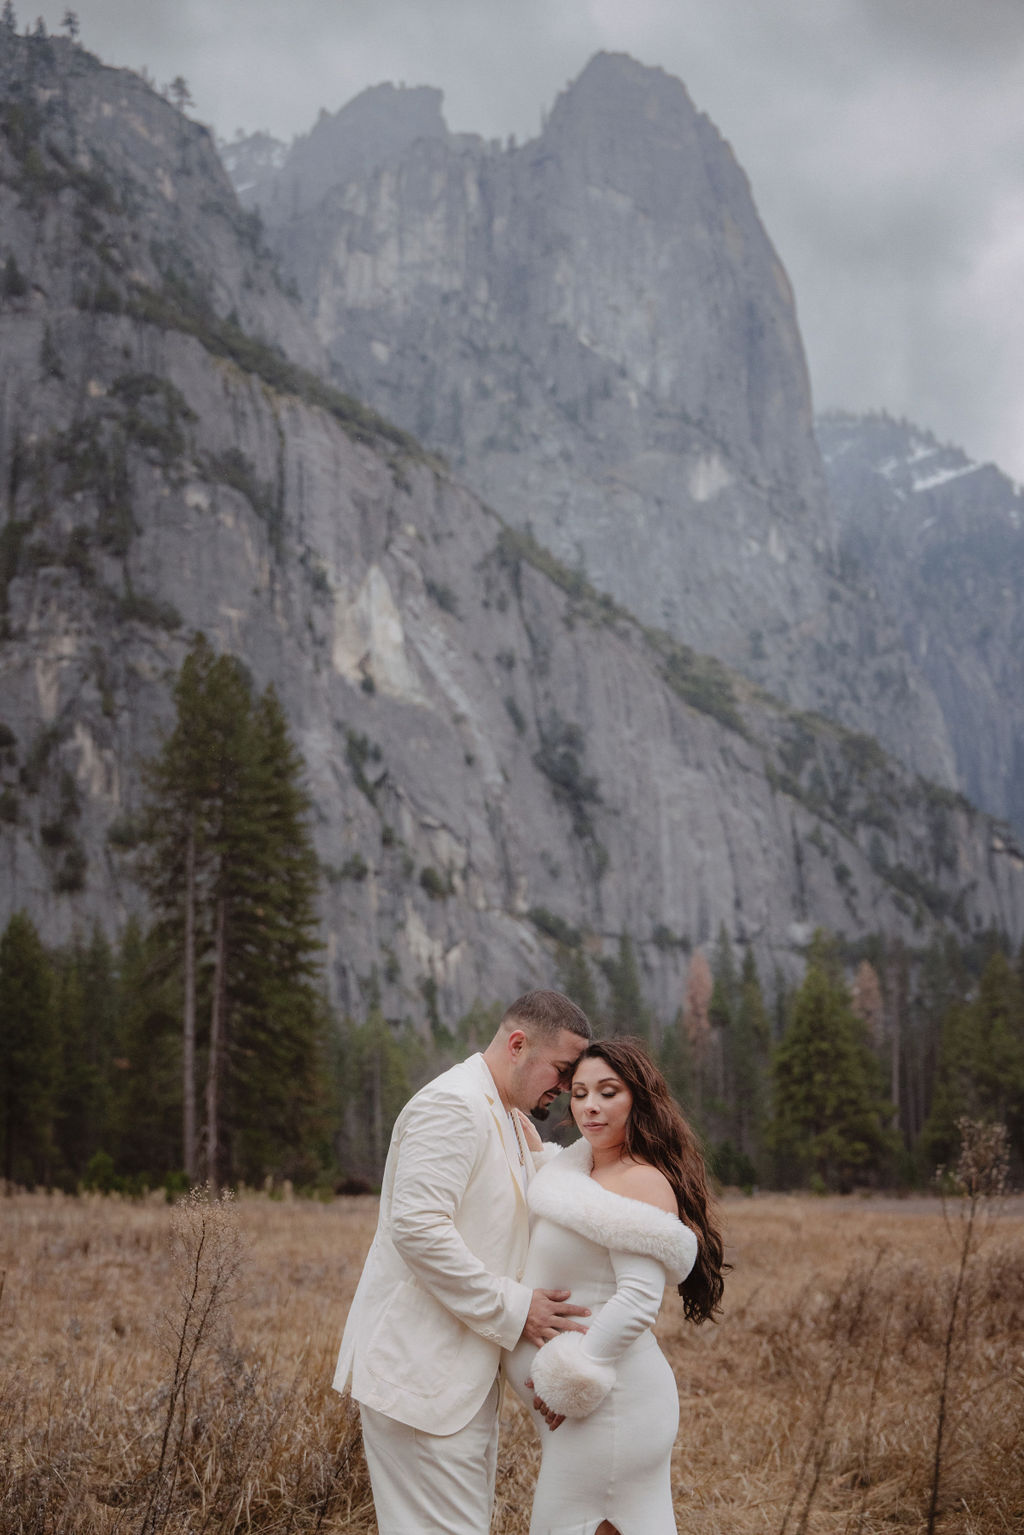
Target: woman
x,y
613,1217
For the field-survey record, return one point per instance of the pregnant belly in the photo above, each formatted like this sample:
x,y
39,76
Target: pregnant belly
x,y
517,1365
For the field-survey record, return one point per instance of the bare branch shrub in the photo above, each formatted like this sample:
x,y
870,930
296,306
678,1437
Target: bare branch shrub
x,y
207,1255
844,1318
979,1180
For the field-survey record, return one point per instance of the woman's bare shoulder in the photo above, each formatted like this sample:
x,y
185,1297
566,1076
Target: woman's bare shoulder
x,y
639,1180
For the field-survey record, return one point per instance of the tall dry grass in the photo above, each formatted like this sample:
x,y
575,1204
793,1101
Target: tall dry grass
x,y
170,1371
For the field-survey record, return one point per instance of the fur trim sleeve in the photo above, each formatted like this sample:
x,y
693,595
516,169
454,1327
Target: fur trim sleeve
x,y
567,1380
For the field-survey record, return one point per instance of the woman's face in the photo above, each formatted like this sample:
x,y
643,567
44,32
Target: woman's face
x,y
601,1102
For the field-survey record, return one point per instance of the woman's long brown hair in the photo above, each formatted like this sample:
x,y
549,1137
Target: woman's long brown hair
x,y
657,1133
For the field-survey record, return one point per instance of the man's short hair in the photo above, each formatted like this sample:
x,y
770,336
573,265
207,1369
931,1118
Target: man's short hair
x,y
547,1013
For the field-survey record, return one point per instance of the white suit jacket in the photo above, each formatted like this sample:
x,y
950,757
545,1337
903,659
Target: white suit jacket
x,y
439,1296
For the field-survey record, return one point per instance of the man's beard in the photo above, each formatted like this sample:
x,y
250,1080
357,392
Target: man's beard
x,y
541,1112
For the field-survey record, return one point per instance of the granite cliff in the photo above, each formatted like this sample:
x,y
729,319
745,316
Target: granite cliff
x,y
506,767
937,540
596,331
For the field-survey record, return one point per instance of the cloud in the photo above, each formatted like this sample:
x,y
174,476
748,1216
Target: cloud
x,y
883,139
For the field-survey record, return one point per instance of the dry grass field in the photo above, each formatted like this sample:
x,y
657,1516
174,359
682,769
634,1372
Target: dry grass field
x,y
168,1370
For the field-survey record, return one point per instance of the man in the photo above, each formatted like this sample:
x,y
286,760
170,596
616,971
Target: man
x,y
439,1296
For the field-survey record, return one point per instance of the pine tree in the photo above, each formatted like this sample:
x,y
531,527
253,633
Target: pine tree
x,y
830,1117
145,1088
748,1069
578,982
180,784
233,876
954,1092
725,988
277,1053
866,1000
999,1007
29,1060
675,1060
896,999
697,1023
179,93
980,1072
87,1013
374,1071
942,982
628,1013
224,838
722,1017
781,1006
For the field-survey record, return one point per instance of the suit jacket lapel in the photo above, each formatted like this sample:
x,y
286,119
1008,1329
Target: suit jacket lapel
x,y
494,1104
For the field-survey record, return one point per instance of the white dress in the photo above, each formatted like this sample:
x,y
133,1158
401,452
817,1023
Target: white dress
x,y
610,1459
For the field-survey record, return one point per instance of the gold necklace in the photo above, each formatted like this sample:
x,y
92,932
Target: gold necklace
x,y
518,1134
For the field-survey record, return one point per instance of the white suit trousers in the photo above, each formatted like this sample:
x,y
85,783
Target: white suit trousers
x,y
432,1484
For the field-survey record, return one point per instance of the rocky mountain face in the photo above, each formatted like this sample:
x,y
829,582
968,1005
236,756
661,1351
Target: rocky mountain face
x,y
507,769
596,332
593,328
938,541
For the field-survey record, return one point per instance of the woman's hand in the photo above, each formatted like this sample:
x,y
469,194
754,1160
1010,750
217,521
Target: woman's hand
x,y
529,1130
551,1418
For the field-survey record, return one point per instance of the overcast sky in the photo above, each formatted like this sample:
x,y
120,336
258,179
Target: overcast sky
x,y
884,141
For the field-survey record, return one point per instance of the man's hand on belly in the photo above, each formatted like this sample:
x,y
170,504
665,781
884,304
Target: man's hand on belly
x,y
550,1314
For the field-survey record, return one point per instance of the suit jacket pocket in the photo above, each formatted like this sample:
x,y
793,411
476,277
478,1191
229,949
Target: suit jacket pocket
x,y
416,1342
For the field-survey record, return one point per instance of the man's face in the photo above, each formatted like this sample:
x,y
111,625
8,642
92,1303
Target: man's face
x,y
543,1069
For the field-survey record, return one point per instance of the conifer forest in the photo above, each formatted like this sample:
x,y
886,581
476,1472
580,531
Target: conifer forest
x,y
200,1046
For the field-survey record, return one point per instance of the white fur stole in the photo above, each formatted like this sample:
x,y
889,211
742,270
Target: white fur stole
x,y
564,1192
